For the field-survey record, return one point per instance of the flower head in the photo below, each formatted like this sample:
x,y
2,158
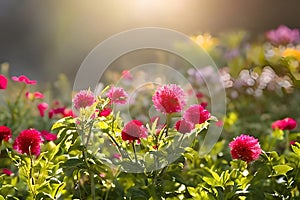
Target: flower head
x,y
3,82
245,148
5,133
6,171
29,142
34,95
48,136
134,130
117,95
105,112
183,126
169,99
196,114
283,35
42,108
23,79
284,124
83,99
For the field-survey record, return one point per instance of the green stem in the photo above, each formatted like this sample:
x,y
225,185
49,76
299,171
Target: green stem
x,y
91,173
287,142
31,175
134,151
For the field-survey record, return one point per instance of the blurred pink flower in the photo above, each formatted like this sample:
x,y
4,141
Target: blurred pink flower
x,y
127,75
48,136
117,156
134,130
23,79
183,126
5,133
283,35
196,114
83,99
169,99
117,95
245,147
3,82
34,95
29,142
285,124
42,108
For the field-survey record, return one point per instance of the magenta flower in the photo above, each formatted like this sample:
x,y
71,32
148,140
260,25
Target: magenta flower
x,y
5,133
284,124
127,75
169,99
183,126
29,142
105,112
48,136
34,95
42,108
83,99
134,130
117,156
283,35
7,172
117,95
245,148
196,114
23,79
3,82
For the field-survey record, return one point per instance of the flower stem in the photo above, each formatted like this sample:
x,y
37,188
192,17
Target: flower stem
x,y
134,151
31,176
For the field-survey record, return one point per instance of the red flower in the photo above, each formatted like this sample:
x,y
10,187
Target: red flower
x,y
117,95
29,142
196,114
42,108
7,172
169,99
134,130
23,79
284,124
105,112
68,113
5,133
34,95
245,147
183,126
3,82
48,136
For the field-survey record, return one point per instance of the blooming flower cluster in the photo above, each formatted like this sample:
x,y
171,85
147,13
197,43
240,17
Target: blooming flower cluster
x,y
245,147
285,124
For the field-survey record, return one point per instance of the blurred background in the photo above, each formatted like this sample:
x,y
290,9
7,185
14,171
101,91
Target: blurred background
x,y
42,39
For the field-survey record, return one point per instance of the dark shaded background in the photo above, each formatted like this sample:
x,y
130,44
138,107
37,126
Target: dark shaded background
x,y
44,38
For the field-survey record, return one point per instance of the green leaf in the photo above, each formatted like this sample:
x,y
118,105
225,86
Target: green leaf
x,y
7,190
282,169
1,197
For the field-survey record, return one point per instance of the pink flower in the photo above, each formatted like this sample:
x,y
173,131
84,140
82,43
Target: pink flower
x,y
3,82
126,75
83,99
23,79
7,172
183,126
134,130
117,156
5,133
283,35
29,142
117,95
196,114
105,112
169,99
42,108
245,147
284,124
48,136
34,95
68,113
